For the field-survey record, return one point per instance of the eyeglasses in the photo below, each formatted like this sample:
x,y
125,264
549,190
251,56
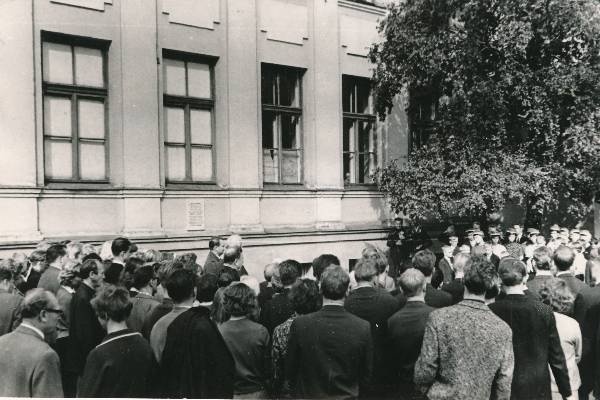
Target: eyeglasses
x,y
51,310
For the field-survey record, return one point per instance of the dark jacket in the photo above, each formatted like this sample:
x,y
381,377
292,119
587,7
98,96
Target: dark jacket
x,y
123,365
584,296
143,305
330,354
443,274
536,344
49,280
157,313
265,294
456,288
589,366
10,311
213,264
113,273
536,283
276,311
196,362
437,298
84,330
375,305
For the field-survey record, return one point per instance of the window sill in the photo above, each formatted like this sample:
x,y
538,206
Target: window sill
x,y
193,186
97,185
284,186
361,187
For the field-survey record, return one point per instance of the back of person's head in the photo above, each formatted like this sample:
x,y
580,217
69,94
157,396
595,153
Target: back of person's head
x,y
412,282
112,303
542,257
563,258
142,276
334,283
239,300
231,254
152,256
480,276
424,261
269,271
206,288
479,251
165,269
180,285
305,296
120,245
6,273
365,270
37,256
89,266
188,260
54,252
133,263
35,301
323,261
511,271
234,241
461,260
74,250
214,241
91,256
556,293
225,279
289,272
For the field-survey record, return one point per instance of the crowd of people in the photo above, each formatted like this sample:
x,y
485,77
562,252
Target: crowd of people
x,y
502,315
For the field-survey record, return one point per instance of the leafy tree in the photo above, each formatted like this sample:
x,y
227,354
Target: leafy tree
x,y
504,105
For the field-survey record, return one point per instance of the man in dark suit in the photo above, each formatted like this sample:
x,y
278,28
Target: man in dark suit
x,y
563,260
55,256
30,368
213,262
542,261
405,331
85,331
266,290
589,366
536,343
444,273
456,288
120,248
10,302
424,261
330,352
279,308
375,305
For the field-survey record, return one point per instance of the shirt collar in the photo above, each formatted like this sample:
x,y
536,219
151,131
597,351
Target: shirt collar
x,y
564,273
33,328
68,289
542,272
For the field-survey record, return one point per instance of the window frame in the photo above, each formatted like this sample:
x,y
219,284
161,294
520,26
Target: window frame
x,y
278,110
74,93
356,118
188,103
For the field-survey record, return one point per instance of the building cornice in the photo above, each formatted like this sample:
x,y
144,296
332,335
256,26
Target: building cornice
x,y
371,9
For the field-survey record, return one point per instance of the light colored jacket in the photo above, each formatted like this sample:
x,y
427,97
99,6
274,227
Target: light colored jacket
x,y
570,341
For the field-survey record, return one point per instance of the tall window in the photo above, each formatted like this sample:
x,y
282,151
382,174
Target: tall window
x,y
360,140
74,102
188,102
281,124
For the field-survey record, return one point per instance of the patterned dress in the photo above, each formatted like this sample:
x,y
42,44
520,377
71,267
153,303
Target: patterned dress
x,y
515,250
281,335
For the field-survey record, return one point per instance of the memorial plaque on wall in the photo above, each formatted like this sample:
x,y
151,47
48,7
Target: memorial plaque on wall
x,y
195,215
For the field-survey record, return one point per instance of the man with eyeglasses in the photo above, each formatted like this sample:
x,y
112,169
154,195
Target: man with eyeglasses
x,y
30,368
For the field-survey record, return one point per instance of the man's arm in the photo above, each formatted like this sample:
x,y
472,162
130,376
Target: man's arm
x,y
46,381
556,359
503,379
427,364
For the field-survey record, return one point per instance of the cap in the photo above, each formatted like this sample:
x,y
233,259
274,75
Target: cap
x,y
532,231
511,231
555,228
470,230
478,232
494,233
585,232
575,231
564,230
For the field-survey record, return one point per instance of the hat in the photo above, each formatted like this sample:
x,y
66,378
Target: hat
x,y
555,228
494,233
511,231
575,231
585,232
564,230
470,230
477,232
532,231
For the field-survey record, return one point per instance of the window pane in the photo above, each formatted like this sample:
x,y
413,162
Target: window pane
x,y
199,80
289,132
348,168
366,167
348,139
174,77
91,119
57,61
202,164
58,158
175,163
57,116
270,166
88,67
347,94
289,90
365,142
201,126
363,97
267,86
174,125
291,166
269,130
92,162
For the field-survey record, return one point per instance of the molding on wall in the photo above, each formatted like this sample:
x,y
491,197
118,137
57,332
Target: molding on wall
x,y
197,14
362,7
97,5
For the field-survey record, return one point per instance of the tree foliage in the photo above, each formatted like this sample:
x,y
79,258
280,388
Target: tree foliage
x,y
516,90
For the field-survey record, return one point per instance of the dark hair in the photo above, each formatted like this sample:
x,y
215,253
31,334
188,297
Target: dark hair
x,y
480,276
305,297
231,254
206,288
289,272
214,242
334,283
239,300
511,271
112,302
119,245
142,276
563,258
91,256
166,268
556,293
323,261
225,279
188,260
424,261
180,285
38,256
6,273
54,252
35,301
88,267
543,258
365,269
